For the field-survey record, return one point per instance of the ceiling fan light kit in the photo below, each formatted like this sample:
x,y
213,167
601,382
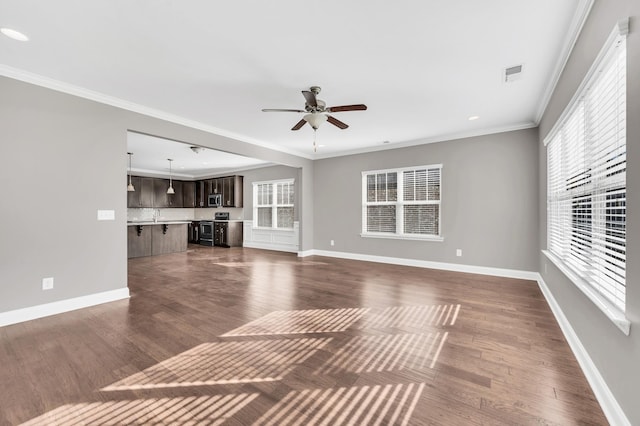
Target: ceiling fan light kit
x,y
317,111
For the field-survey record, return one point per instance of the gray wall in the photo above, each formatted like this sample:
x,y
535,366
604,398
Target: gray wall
x,y
616,356
64,158
266,174
489,201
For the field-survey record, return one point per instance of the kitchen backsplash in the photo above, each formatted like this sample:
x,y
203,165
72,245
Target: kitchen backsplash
x,y
181,214
207,214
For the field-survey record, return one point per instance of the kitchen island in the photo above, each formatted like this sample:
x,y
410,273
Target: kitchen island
x,y
149,238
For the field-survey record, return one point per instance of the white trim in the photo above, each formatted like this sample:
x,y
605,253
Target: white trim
x,y
389,236
575,28
471,269
621,29
61,306
281,239
610,311
306,253
272,246
402,169
439,138
610,406
81,92
264,182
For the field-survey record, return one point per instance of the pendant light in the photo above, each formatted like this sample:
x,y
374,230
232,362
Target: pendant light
x,y
170,190
130,187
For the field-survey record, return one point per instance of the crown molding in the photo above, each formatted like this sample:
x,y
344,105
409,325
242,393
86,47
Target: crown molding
x,y
578,21
435,139
59,86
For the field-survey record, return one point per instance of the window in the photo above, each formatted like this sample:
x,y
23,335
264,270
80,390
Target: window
x,y
273,204
402,203
586,180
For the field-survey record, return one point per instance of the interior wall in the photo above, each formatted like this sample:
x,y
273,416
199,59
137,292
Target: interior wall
x,y
614,354
61,162
65,158
489,201
267,174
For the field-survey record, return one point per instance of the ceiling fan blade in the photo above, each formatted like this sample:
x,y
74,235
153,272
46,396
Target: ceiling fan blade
x,y
310,97
281,110
336,122
357,107
299,124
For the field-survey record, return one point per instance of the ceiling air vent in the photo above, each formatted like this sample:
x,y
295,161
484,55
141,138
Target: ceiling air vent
x,y
512,74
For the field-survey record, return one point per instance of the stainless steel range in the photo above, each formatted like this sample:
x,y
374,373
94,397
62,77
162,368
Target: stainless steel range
x,y
221,216
206,233
208,230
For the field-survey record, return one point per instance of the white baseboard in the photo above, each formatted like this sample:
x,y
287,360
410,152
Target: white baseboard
x,y
61,306
610,406
271,246
483,270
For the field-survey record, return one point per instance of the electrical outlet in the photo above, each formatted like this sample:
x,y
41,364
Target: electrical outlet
x,y
333,243
47,283
458,252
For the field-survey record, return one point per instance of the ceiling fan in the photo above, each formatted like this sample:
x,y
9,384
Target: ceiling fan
x,y
317,112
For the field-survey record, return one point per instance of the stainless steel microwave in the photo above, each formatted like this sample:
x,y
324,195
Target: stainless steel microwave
x,y
215,200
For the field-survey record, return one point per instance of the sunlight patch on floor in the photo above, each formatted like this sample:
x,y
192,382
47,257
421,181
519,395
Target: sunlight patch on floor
x,y
210,410
366,405
224,363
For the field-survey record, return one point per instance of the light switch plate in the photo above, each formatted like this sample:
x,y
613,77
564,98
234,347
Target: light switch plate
x,y
106,215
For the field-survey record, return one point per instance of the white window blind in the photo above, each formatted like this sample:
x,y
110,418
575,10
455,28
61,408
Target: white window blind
x,y
273,204
586,180
402,202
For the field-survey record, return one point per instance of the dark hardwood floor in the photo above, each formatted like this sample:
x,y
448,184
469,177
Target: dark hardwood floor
x,y
243,336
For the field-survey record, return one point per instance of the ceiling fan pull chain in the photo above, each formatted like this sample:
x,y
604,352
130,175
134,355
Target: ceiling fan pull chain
x,y
314,139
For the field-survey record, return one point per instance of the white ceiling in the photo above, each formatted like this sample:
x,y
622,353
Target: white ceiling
x,y
150,157
422,67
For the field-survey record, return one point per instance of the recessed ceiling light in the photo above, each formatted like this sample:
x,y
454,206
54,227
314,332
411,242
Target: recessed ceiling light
x,y
16,35
385,141
474,117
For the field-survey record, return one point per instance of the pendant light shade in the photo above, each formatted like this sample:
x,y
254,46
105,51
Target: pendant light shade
x,y
315,119
170,190
130,187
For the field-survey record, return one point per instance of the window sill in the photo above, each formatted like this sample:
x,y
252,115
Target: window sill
x,y
255,228
611,311
403,237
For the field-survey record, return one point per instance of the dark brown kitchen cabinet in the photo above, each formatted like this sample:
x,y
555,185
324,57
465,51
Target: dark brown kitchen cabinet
x,y
227,234
170,238
175,199
143,194
151,240
214,186
160,196
188,194
232,192
138,240
201,193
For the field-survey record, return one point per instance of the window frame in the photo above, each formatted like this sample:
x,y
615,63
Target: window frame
x,y
274,204
608,307
400,203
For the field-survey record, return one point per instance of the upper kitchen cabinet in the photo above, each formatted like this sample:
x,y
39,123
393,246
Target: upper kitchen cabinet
x,y
175,200
201,193
214,186
232,192
188,194
160,196
143,194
